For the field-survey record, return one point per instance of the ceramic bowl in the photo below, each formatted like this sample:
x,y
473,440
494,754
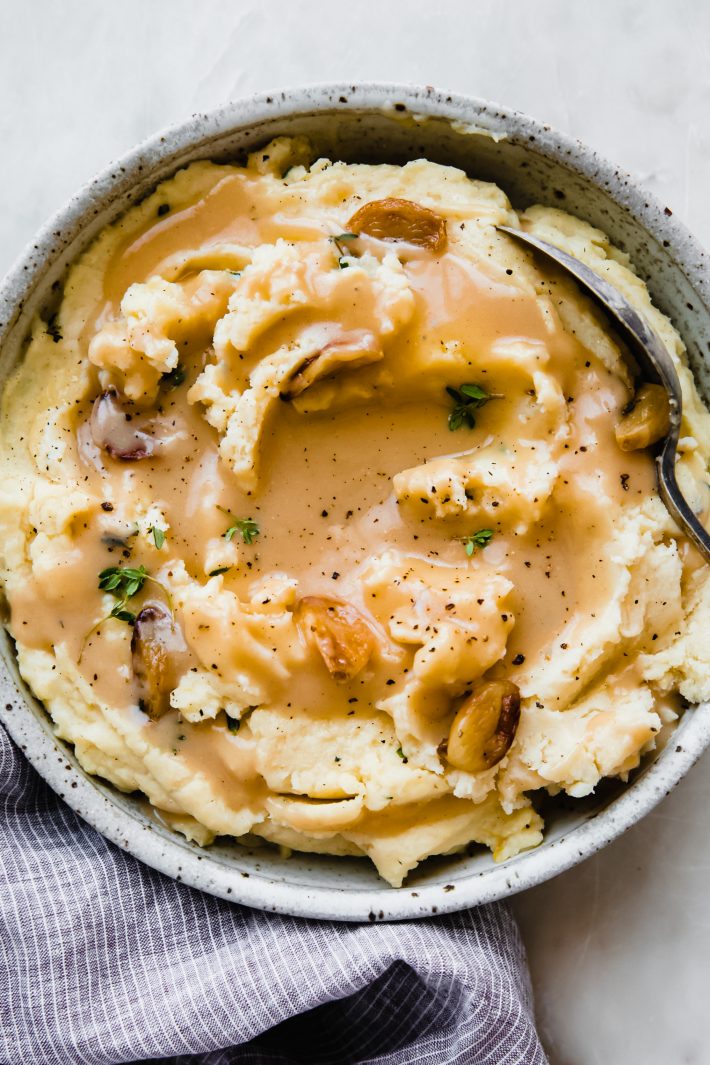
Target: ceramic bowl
x,y
367,123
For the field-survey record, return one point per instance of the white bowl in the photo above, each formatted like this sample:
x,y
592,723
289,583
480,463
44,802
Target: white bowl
x,y
372,123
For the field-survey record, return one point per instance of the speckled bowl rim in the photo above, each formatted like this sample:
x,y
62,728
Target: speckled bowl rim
x,y
32,731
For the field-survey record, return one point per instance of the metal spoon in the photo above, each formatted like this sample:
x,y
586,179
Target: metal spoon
x,y
656,365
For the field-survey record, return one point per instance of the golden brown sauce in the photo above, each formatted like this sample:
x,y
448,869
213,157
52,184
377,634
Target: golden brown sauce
x,y
325,501
222,215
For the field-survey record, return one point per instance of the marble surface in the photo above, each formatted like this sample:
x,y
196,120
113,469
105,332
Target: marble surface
x,y
618,947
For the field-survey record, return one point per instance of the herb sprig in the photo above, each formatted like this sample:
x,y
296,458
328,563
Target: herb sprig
x,y
174,378
249,530
467,399
246,527
338,242
158,535
478,539
124,582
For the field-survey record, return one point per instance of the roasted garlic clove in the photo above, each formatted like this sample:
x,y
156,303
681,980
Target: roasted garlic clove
x,y
118,430
647,421
338,632
484,726
356,348
395,219
314,815
160,657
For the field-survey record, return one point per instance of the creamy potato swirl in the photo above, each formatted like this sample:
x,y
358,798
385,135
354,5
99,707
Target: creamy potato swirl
x,y
315,523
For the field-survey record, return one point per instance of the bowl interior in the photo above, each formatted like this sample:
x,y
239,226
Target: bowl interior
x,y
532,165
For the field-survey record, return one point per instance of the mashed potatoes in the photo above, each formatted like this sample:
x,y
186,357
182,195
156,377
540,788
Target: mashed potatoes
x,y
314,522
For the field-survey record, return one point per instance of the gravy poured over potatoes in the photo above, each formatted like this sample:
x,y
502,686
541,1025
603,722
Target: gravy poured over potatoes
x,y
316,525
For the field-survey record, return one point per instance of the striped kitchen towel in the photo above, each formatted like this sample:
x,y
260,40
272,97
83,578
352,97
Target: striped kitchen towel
x,y
103,960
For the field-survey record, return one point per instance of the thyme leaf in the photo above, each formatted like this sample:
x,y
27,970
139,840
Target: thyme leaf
x,y
467,399
124,582
342,251
158,536
174,378
120,612
246,527
478,539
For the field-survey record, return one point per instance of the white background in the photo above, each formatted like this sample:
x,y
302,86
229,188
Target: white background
x,y
619,947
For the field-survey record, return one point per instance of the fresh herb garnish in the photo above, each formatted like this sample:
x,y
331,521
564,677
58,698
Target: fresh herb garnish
x,y
337,241
249,530
216,572
478,539
120,612
174,378
124,582
246,526
402,755
467,399
158,536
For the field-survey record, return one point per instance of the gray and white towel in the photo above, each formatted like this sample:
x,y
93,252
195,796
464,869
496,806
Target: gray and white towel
x,y
103,960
